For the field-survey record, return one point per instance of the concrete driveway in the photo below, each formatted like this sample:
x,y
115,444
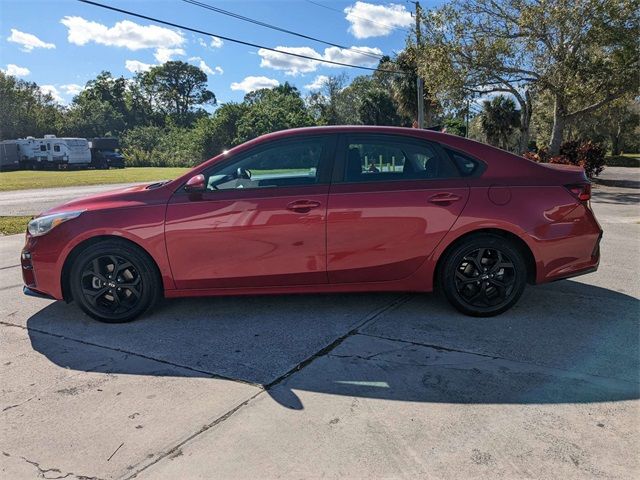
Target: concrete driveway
x,y
332,386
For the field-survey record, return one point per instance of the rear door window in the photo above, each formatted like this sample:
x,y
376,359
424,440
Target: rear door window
x,y
387,158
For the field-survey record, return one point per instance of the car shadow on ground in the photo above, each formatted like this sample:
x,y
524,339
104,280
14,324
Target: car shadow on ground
x,y
565,342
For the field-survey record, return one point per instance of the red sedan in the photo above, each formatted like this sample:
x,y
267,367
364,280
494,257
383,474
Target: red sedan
x,y
328,209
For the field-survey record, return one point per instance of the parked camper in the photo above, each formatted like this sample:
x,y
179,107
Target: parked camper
x,y
53,152
9,157
105,153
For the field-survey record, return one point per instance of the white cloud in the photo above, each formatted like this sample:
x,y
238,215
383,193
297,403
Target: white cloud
x,y
53,91
72,88
28,40
354,56
164,54
216,42
16,71
135,66
317,83
206,68
296,65
249,84
290,64
125,34
369,20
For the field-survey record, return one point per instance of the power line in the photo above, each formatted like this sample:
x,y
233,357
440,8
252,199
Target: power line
x,y
234,40
280,29
393,27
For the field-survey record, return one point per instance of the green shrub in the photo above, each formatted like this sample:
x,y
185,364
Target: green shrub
x,y
587,155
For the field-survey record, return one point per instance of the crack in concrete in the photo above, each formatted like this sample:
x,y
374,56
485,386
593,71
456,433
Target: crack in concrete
x,y
497,357
368,318
18,404
128,352
42,472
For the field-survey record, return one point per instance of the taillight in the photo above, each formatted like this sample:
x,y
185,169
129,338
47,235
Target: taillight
x,y
582,191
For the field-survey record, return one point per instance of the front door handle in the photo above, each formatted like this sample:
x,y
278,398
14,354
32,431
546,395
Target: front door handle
x,y
303,206
444,198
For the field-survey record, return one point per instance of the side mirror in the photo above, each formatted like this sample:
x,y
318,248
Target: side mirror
x,y
195,184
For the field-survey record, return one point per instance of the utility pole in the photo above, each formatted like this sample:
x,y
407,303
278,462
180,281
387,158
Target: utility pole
x,y
419,82
467,123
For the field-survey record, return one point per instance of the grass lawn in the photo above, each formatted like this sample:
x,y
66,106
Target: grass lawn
x,y
11,225
47,179
624,160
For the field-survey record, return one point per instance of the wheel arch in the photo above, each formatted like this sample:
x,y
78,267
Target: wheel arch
x,y
519,243
83,245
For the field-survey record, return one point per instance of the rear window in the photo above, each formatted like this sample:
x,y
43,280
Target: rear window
x,y
467,165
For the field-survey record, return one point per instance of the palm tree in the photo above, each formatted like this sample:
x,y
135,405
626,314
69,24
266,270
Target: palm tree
x,y
499,119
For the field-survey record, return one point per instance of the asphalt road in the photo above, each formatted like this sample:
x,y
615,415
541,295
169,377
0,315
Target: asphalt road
x,y
31,202
333,386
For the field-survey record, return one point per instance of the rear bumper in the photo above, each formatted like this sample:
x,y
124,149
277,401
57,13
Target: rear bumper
x,y
567,248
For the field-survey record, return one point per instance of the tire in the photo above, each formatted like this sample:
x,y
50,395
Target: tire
x,y
484,275
114,282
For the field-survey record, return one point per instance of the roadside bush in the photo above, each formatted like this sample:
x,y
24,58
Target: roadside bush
x,y
587,155
163,147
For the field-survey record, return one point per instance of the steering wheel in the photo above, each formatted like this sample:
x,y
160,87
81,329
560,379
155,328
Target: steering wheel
x,y
243,173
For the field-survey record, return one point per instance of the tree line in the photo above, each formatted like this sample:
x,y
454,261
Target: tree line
x,y
521,75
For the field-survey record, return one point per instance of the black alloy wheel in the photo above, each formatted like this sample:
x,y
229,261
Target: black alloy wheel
x,y
484,276
114,282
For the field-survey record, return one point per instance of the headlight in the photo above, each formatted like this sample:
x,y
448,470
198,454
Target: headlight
x,y
42,225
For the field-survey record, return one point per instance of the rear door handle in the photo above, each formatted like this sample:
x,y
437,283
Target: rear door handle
x,y
444,198
303,206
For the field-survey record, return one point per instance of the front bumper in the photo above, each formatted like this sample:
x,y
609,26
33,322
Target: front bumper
x,y
30,292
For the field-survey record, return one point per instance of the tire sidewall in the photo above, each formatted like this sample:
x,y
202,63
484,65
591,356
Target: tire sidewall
x,y
455,256
141,262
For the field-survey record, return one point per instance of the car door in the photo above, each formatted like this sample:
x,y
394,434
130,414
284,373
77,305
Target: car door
x,y
260,222
392,200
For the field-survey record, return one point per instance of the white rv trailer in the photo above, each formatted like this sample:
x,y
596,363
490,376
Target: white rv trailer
x,y
53,152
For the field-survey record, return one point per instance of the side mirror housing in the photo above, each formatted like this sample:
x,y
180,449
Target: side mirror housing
x,y
195,184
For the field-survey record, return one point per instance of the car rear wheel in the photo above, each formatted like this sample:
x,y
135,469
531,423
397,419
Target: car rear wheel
x,y
114,282
484,275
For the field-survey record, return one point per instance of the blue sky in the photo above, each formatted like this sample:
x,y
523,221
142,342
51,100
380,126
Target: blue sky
x,y
60,44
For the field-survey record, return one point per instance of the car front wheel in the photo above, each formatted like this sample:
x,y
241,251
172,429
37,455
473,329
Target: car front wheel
x,y
484,275
114,282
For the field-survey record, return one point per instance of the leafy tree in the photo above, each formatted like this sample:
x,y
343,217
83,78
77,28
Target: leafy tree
x,y
331,104
26,110
499,119
377,108
455,126
582,53
404,85
269,110
177,89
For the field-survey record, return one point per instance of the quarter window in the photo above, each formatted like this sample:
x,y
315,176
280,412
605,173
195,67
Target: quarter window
x,y
290,164
395,159
467,166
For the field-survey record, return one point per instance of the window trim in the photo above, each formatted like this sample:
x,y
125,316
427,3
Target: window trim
x,y
482,166
323,173
346,138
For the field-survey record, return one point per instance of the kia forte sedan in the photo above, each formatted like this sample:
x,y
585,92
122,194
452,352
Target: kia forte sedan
x,y
327,209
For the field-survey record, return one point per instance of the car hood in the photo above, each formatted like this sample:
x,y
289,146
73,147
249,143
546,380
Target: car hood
x,y
132,196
